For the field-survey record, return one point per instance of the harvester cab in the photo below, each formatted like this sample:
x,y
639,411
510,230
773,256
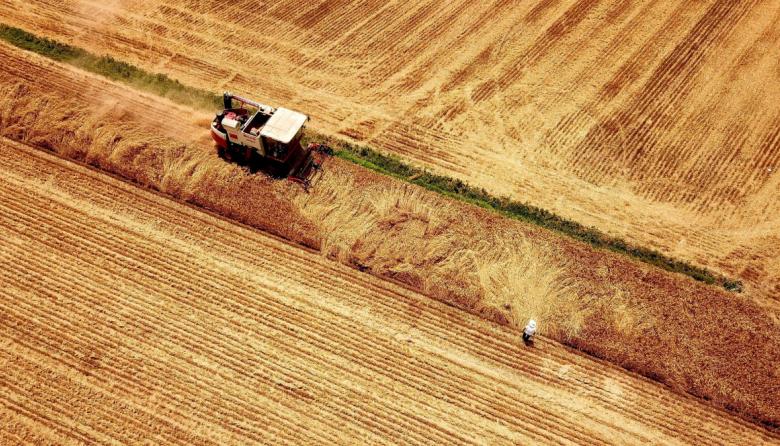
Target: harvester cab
x,y
266,138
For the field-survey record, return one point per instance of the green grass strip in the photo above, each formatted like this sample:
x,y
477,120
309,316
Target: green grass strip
x,y
391,165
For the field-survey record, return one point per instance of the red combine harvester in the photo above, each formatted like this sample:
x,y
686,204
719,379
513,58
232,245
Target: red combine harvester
x,y
268,139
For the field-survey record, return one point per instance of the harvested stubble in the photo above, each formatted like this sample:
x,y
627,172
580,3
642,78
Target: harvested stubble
x,y
695,338
185,329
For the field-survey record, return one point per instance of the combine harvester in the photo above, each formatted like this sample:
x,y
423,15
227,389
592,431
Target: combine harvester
x,y
268,139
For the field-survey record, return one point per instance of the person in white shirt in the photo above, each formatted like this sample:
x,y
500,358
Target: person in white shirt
x,y
529,331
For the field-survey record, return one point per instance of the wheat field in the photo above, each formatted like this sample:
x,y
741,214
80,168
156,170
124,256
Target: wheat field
x,y
654,121
503,270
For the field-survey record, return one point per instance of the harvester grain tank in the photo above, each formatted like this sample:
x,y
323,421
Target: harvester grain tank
x,y
268,138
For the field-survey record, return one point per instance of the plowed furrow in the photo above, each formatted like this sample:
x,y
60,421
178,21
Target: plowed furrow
x,y
21,405
319,432
21,426
104,419
182,386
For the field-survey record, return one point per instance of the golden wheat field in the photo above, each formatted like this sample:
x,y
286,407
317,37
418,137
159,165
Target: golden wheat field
x,y
154,293
656,121
662,325
128,317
